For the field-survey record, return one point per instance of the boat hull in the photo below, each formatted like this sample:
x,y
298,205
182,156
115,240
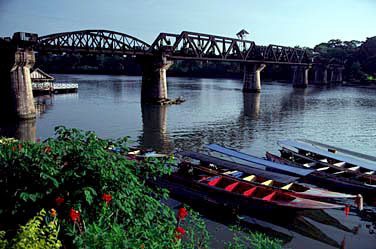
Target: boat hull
x,y
241,201
329,181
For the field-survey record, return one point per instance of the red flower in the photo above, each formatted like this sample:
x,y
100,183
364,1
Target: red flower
x,y
179,232
107,198
74,215
19,146
38,140
47,149
59,200
182,213
14,148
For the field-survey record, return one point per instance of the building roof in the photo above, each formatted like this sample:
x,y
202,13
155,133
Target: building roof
x,y
242,33
39,76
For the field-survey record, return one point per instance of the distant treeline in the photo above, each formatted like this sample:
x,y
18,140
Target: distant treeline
x,y
358,57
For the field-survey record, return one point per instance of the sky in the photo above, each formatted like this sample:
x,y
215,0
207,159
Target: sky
x,y
281,22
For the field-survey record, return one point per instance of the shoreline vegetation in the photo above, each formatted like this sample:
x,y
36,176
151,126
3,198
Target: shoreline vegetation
x,y
74,191
358,58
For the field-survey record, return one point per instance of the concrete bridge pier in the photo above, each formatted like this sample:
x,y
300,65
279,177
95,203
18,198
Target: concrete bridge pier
x,y
337,75
252,77
321,75
300,76
154,81
15,74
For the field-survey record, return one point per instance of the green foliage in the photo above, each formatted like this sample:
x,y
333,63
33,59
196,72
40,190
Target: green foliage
x,y
244,239
197,236
358,57
3,242
38,233
79,167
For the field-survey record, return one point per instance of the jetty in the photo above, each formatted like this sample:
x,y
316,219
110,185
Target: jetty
x,y
43,83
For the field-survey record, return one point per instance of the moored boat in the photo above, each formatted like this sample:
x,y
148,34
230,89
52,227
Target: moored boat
x,y
328,160
257,162
263,178
246,194
329,180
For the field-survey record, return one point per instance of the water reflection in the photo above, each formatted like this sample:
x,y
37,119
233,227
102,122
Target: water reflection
x,y
282,224
154,127
43,103
251,105
24,130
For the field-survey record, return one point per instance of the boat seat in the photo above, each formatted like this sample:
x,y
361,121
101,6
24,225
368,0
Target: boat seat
x,y
323,160
322,169
369,172
249,192
288,186
268,183
230,172
231,187
308,165
269,197
214,181
249,178
339,172
354,168
339,164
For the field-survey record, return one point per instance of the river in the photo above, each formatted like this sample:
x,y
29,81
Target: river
x,y
217,111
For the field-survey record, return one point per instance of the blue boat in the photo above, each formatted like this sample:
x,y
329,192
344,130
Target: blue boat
x,y
270,166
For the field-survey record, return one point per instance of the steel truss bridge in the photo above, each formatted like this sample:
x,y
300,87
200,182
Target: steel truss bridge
x,y
186,45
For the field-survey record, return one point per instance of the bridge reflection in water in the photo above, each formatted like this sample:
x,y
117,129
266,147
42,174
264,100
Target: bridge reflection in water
x,y
154,127
24,130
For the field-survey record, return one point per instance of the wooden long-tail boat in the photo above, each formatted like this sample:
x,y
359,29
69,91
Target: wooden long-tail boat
x,y
218,207
245,193
319,178
313,157
330,180
328,147
256,162
259,177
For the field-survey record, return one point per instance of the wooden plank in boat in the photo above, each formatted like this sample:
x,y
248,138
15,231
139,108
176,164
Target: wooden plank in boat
x,y
237,166
316,150
260,161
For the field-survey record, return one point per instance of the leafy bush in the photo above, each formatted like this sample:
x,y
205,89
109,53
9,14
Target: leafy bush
x,y
245,239
102,197
197,236
71,172
39,233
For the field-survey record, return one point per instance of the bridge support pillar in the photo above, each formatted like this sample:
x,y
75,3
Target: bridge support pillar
x,y
18,96
21,84
154,81
252,77
300,76
337,75
321,75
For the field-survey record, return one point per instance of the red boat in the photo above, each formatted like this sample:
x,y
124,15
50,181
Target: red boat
x,y
245,194
264,178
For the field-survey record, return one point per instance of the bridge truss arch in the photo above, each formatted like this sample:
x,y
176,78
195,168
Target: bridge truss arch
x,y
92,41
192,45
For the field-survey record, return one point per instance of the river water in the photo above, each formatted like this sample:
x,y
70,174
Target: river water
x,y
217,111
